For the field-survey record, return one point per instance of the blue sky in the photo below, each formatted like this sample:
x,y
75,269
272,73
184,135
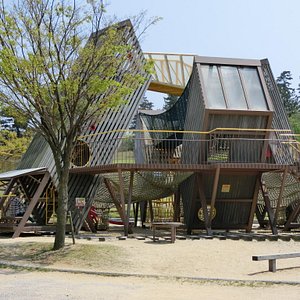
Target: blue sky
x,y
225,28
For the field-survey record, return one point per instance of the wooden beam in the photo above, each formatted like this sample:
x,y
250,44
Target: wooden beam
x,y
122,198
269,208
254,203
151,210
32,204
136,213
203,204
129,229
280,194
114,198
214,195
292,217
176,215
7,191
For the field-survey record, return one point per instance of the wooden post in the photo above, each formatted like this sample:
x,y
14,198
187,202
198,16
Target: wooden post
x,y
32,204
176,215
136,213
72,227
254,203
269,208
129,229
114,198
122,198
292,217
214,195
7,190
280,195
203,204
151,210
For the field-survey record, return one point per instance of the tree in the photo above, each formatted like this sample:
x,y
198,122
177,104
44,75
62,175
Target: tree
x,y
20,121
146,104
169,101
12,147
58,75
288,94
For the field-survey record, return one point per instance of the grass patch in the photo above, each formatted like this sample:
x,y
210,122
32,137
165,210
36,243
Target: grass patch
x,y
78,255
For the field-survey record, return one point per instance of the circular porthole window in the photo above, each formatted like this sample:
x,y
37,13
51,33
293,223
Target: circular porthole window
x,y
81,154
201,213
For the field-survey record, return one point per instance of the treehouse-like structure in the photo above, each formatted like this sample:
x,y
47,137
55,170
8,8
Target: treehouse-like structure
x,y
224,149
230,122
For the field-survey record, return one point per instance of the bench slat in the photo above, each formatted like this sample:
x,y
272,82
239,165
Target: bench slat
x,y
275,256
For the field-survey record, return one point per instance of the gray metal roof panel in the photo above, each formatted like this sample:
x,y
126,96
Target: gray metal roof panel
x,y
18,173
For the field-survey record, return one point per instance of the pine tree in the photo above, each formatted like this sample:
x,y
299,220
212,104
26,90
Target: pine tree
x,y
169,101
291,100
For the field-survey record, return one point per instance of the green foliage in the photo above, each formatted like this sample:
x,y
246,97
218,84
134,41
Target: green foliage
x,y
295,123
169,101
288,94
146,104
11,146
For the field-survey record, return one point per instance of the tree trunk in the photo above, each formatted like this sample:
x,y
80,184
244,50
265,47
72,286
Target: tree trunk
x,y
62,209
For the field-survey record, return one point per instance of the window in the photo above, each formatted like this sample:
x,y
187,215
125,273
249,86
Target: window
x,y
255,94
231,87
213,88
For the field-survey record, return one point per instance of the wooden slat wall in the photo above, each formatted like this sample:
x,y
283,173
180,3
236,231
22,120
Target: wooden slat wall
x,y
280,118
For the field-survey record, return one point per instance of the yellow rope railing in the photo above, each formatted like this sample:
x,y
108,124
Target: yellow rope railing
x,y
189,131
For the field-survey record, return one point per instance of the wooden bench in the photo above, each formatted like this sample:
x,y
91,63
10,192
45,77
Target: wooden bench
x,y
172,225
272,259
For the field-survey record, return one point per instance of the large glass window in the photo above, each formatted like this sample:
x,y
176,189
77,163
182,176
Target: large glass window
x,y
233,88
255,94
213,88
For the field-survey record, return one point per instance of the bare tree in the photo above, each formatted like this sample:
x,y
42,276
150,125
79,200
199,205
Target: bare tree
x,y
57,74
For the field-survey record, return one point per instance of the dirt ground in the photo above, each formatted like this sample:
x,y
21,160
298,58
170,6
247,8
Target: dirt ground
x,y
202,260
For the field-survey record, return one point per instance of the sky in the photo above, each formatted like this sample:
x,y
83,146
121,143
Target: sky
x,y
253,29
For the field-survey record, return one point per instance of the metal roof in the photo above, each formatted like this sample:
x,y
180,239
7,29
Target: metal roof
x,y
18,173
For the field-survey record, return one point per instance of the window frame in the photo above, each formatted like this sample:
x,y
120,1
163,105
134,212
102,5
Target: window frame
x,y
237,63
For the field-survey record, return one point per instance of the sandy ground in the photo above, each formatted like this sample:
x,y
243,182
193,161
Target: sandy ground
x,y
211,259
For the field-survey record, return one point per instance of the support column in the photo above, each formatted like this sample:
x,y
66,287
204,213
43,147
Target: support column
x,y
176,215
269,209
203,204
122,198
214,195
254,204
129,229
292,217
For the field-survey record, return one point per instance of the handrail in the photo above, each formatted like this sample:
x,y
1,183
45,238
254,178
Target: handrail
x,y
187,131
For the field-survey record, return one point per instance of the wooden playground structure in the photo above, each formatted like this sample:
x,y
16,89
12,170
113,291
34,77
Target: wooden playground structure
x,y
225,152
